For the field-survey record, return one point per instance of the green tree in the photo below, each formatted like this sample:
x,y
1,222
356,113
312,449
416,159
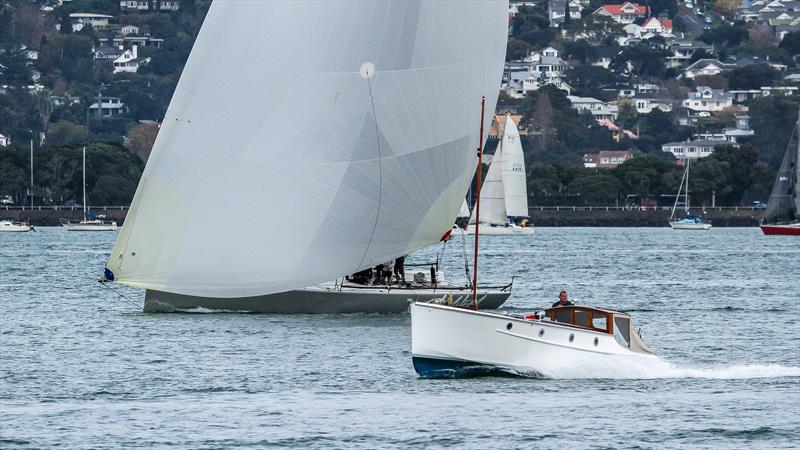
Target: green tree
x,y
15,69
791,43
641,60
65,132
772,119
752,77
517,49
600,189
726,35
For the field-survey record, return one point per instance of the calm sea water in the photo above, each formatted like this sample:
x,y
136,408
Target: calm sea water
x,y
81,367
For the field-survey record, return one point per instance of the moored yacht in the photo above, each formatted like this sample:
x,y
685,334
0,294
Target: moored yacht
x,y
11,226
782,216
88,223
690,221
449,341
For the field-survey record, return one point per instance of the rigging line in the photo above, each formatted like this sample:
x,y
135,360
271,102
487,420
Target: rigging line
x,y
466,262
120,294
380,171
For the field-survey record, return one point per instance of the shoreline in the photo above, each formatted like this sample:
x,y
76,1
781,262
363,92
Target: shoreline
x,y
564,216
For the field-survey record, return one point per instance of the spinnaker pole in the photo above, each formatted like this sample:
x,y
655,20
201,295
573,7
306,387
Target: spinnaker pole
x,y
478,210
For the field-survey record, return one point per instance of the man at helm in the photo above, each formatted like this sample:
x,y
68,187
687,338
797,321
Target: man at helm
x,y
563,300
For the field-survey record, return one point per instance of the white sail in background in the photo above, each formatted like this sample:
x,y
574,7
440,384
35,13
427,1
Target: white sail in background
x,y
514,180
493,202
464,211
344,136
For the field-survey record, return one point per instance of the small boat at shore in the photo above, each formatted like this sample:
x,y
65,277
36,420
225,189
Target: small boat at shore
x,y
452,342
690,221
88,223
10,226
782,216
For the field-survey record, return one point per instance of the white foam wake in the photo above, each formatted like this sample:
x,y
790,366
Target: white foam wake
x,y
652,367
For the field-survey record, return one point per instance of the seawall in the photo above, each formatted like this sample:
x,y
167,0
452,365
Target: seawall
x,y
564,216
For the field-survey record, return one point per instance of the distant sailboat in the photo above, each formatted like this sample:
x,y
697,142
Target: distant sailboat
x,y
782,216
464,211
690,221
323,133
87,224
504,197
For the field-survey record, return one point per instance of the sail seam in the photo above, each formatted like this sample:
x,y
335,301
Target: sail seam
x,y
380,173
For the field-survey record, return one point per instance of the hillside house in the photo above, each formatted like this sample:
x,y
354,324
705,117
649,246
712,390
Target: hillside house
x,y
80,20
683,51
3,141
623,13
708,99
556,11
646,104
108,107
693,149
149,5
606,159
128,61
706,67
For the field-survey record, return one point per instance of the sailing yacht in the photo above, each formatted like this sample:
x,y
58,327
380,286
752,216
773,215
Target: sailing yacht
x,y
690,221
322,133
88,224
504,195
782,216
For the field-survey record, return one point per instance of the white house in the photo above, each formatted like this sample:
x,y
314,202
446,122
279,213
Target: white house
x,y
108,107
707,99
706,67
624,13
128,30
547,63
556,11
96,21
646,105
3,141
145,5
651,28
128,61
693,149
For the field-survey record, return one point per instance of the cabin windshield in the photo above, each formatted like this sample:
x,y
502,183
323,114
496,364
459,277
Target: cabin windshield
x,y
622,330
593,319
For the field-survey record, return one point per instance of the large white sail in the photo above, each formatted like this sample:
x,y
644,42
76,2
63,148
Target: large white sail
x,y
514,179
311,139
493,203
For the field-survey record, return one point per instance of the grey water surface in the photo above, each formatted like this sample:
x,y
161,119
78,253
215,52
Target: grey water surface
x,y
81,367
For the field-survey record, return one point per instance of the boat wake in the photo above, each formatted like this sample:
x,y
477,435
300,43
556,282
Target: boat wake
x,y
652,367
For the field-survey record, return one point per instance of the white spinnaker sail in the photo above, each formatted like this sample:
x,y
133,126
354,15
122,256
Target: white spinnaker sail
x,y
493,203
514,180
332,142
464,211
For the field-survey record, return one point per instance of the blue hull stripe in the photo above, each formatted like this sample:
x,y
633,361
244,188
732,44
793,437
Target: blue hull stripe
x,y
448,368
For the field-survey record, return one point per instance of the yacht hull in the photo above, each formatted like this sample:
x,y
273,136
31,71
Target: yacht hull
x,y
488,230
15,228
323,300
690,226
89,227
781,230
449,342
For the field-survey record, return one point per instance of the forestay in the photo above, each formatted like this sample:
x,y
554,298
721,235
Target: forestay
x,y
311,139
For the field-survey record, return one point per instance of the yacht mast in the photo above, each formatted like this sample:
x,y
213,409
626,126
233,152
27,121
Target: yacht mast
x,y
686,201
84,183
478,210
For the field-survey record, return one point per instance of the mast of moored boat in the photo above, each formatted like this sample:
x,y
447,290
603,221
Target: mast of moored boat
x,y
686,198
84,183
478,210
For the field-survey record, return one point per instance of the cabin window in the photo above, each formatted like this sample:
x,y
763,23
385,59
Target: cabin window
x,y
582,318
622,330
562,315
599,321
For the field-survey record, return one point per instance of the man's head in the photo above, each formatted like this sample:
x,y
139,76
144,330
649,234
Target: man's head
x,y
563,297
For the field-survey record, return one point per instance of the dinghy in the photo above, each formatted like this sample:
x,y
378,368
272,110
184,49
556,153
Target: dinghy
x,y
449,341
690,221
347,136
504,192
782,216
